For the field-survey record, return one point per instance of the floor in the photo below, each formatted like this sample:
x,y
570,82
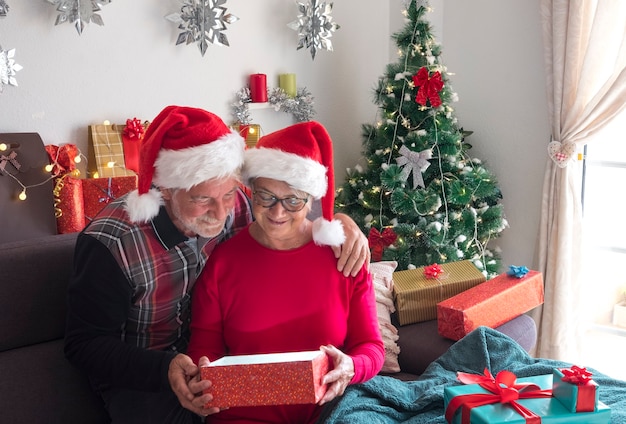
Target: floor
x,y
605,350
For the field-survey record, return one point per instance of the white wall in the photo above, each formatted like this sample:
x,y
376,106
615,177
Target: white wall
x,y
131,67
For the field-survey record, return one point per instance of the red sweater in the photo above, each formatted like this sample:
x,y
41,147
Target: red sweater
x,y
282,301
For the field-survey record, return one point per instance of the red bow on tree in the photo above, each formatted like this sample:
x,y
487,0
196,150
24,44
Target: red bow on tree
x,y
429,88
378,241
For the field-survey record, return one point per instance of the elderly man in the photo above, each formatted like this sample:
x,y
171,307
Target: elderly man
x,y
135,266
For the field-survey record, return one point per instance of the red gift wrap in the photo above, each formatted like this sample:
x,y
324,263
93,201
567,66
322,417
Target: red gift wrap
x,y
490,304
98,192
69,205
267,379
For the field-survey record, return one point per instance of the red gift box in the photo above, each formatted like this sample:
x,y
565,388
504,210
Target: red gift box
x,y
69,205
267,379
490,304
98,192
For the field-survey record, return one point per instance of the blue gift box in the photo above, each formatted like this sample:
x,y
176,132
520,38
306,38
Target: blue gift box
x,y
550,409
574,397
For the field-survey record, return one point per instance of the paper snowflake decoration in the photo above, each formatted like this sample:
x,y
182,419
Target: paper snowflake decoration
x,y
202,22
4,8
315,26
8,68
79,12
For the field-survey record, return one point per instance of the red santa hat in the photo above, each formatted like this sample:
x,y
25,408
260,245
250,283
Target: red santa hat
x,y
302,156
181,148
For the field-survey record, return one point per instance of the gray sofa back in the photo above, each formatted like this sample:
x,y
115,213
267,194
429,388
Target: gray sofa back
x,y
37,383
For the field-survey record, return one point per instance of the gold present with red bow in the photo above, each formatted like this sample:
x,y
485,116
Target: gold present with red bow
x,y
114,149
98,192
417,291
504,398
490,304
250,133
267,379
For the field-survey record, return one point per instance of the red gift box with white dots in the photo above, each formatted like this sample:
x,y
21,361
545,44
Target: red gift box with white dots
x,y
267,379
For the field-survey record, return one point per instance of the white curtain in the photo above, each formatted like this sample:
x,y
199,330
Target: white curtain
x,y
585,59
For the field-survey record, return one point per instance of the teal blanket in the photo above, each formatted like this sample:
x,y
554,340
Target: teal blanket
x,y
385,400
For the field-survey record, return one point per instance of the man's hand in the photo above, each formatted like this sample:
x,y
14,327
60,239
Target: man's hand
x,y
184,378
355,251
340,376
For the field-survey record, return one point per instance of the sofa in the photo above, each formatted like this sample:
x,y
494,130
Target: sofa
x,y
38,385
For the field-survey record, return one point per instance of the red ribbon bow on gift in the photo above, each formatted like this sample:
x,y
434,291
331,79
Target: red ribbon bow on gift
x,y
433,271
378,241
576,375
133,129
429,88
503,390
62,158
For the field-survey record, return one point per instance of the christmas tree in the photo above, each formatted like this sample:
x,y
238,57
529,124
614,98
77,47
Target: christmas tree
x,y
421,198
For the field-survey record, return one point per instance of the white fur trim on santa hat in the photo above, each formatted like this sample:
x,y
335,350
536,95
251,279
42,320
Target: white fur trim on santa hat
x,y
143,208
191,166
328,233
299,172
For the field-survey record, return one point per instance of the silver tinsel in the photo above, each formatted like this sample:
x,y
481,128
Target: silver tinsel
x,y
202,22
79,12
4,8
315,26
301,106
8,68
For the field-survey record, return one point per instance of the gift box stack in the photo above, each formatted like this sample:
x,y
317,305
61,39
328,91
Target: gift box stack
x,y
417,291
567,395
490,304
112,166
267,379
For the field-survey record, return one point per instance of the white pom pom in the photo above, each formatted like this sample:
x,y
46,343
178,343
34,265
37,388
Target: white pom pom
x,y
142,208
328,233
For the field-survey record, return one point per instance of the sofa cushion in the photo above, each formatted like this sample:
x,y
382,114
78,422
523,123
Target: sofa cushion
x,y
30,379
33,287
382,275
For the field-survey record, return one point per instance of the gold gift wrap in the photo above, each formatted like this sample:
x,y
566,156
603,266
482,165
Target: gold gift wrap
x,y
416,296
106,152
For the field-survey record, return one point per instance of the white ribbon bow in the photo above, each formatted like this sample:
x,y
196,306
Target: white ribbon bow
x,y
416,162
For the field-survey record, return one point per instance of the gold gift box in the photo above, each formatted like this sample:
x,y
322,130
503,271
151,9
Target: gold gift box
x,y
416,296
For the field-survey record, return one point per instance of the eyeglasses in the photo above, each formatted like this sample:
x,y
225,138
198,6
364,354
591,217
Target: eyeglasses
x,y
268,200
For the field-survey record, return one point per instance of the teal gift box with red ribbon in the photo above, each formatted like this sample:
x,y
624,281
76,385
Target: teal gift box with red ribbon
x,y
506,399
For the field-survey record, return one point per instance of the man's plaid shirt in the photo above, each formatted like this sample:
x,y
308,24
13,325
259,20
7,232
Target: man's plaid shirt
x,y
161,266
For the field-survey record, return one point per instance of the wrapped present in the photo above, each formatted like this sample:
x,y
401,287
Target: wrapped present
x,y
113,149
267,379
250,132
575,389
506,399
98,192
417,291
69,206
490,304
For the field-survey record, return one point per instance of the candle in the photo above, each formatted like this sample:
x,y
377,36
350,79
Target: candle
x,y
288,83
258,88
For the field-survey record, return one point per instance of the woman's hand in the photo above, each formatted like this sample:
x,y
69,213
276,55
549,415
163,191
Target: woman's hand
x,y
340,376
355,251
185,381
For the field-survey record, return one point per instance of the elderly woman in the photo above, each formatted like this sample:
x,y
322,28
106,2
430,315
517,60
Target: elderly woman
x,y
287,295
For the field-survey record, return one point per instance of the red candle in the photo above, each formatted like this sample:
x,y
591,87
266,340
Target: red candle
x,y
258,88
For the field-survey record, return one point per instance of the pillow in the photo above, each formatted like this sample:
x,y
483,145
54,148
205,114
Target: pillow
x,y
382,276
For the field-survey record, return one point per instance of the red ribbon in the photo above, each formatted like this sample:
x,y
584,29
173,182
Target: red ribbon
x,y
131,138
429,87
503,390
378,241
433,271
576,375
